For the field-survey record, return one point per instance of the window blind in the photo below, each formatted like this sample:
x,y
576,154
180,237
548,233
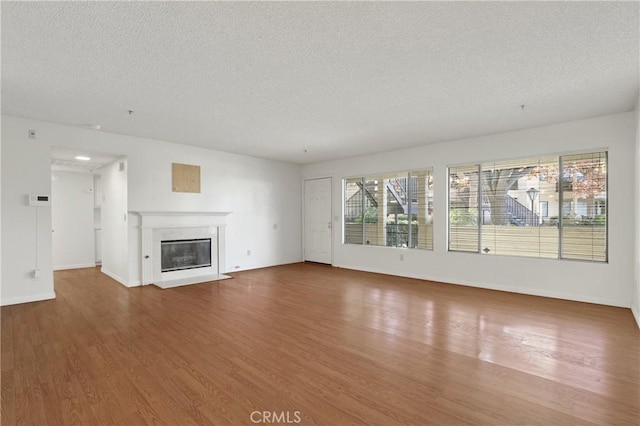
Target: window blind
x,y
512,222
391,209
354,208
463,208
421,191
550,207
584,196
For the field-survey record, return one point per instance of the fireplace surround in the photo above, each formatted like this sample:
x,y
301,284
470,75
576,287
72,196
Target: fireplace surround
x,y
190,268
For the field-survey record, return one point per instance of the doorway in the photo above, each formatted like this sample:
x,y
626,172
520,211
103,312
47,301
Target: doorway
x,y
76,199
317,220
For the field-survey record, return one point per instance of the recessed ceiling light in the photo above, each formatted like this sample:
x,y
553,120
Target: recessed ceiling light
x,y
91,126
82,158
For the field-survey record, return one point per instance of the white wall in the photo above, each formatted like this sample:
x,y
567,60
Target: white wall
x,y
98,197
73,241
635,306
26,169
0,221
0,218
592,282
114,217
260,193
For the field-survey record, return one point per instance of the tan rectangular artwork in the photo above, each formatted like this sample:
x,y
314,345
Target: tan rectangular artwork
x,y
186,178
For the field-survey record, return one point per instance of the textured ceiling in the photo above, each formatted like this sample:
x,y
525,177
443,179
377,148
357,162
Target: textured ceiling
x,y
65,159
337,79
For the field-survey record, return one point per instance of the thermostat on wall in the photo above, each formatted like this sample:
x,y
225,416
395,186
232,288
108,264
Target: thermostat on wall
x,y
38,200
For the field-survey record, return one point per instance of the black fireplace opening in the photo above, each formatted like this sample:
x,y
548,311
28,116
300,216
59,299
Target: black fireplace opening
x,y
185,254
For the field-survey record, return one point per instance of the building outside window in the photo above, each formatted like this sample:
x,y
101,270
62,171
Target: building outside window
x,y
513,207
390,210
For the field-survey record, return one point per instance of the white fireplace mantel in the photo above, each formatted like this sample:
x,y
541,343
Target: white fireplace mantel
x,y
154,224
181,219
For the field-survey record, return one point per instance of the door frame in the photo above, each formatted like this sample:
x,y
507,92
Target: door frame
x,y
303,199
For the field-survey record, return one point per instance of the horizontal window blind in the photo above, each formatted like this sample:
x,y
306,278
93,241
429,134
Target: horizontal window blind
x,y
512,223
464,228
421,191
550,207
584,195
354,208
391,210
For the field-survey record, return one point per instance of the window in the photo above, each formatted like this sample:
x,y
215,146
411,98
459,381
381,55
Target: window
x,y
390,210
544,209
584,228
463,208
550,207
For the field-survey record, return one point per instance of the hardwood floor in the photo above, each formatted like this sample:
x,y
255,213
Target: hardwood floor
x,y
336,346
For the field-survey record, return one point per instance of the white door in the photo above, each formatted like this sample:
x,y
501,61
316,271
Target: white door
x,y
317,220
72,220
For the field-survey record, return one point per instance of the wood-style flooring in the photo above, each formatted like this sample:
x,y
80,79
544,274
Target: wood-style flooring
x,y
336,346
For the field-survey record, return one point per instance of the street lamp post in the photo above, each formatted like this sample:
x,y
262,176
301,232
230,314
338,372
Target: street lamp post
x,y
532,193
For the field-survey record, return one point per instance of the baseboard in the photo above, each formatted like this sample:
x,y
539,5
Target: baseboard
x,y
28,299
114,276
252,267
490,286
635,310
78,266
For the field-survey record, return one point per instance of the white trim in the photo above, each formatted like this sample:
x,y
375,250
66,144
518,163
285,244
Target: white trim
x,y
151,220
78,266
533,156
405,171
636,313
333,227
264,266
118,278
154,223
175,213
488,286
213,233
314,177
28,299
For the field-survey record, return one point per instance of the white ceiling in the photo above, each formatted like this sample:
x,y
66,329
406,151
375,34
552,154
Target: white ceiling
x,y
337,79
65,159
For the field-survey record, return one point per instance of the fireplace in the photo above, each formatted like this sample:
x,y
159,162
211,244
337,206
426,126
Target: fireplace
x,y
181,248
177,255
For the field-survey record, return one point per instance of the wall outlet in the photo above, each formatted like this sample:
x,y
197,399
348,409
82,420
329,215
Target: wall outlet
x,y
35,274
402,257
248,252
